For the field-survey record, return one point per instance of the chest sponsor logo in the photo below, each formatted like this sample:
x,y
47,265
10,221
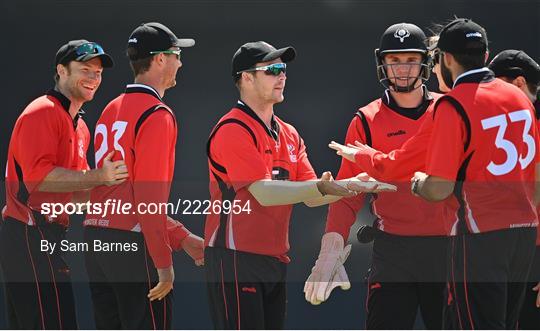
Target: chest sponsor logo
x,y
396,133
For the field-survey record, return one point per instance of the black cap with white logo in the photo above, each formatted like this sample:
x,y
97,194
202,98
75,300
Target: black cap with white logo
x,y
81,51
252,53
513,63
153,37
463,36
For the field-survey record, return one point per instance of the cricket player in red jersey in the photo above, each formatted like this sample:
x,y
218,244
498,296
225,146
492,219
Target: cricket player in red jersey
x,y
258,169
400,163
483,150
407,269
142,130
47,164
519,69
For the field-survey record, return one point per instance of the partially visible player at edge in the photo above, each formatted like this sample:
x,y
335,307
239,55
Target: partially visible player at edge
x,y
47,164
518,68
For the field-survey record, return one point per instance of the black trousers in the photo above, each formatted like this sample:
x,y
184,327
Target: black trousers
x,y
529,319
245,291
407,273
120,282
487,278
37,284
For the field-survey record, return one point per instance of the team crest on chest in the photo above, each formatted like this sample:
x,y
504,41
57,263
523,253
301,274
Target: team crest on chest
x,y
292,154
81,148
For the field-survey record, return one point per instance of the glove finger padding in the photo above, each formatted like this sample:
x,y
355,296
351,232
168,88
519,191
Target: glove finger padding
x,y
345,254
340,280
323,275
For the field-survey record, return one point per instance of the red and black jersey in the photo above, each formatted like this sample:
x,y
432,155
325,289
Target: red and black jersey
x,y
385,126
399,164
45,136
537,112
142,131
241,151
485,139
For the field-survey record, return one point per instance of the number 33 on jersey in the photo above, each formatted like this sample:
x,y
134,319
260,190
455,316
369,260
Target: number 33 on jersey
x,y
485,138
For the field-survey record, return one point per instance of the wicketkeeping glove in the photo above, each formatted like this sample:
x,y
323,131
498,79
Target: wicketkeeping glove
x,y
328,272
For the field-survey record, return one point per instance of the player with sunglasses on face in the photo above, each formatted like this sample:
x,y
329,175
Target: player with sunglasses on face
x,y
47,164
258,164
131,289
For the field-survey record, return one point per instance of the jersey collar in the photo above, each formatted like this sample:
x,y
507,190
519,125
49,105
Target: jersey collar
x,y
272,131
482,75
65,103
142,88
411,113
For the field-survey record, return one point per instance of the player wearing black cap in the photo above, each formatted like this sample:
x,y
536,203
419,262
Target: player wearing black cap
x,y
55,170
519,69
131,289
483,150
258,163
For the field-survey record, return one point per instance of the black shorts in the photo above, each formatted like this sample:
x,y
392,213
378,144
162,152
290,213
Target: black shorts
x,y
120,282
245,291
529,319
407,273
37,284
487,278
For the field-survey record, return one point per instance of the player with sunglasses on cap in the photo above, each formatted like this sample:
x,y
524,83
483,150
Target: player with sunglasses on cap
x,y
47,164
481,162
518,68
258,164
407,268
131,289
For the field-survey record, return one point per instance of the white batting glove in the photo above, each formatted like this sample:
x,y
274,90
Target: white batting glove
x,y
328,272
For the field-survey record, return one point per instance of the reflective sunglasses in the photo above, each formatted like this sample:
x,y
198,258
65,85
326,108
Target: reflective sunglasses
x,y
81,51
88,48
271,69
169,51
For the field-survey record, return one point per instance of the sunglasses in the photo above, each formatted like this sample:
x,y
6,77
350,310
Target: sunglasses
x,y
88,48
271,70
82,50
169,51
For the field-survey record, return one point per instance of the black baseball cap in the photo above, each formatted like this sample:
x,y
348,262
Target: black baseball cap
x,y
81,51
151,37
463,36
252,53
513,63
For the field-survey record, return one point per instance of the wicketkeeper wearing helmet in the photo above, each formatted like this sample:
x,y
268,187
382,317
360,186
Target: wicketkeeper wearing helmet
x,y
407,269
